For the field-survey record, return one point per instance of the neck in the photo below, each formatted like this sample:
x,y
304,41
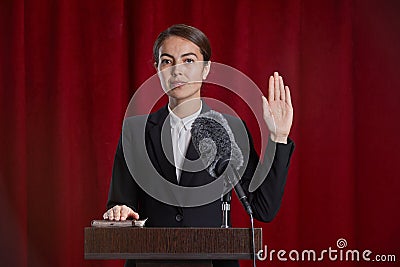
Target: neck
x,y
185,108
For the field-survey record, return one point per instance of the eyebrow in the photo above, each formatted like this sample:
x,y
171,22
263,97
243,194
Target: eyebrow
x,y
184,55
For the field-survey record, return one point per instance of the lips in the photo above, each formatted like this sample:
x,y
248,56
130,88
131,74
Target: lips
x,y
175,84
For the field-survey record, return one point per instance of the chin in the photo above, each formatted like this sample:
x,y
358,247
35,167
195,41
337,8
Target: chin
x,y
181,93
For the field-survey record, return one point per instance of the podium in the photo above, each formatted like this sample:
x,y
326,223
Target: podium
x,y
171,247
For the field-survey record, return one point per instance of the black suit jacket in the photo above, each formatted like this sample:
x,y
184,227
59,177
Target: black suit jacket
x,y
265,201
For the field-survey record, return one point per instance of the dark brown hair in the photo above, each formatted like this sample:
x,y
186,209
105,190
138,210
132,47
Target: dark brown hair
x,y
187,32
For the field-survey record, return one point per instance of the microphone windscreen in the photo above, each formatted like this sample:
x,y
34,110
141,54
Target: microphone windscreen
x,y
214,140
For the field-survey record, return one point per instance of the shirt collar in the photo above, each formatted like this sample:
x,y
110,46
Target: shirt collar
x,y
186,121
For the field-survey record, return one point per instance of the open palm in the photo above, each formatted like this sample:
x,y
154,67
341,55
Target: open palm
x,y
278,109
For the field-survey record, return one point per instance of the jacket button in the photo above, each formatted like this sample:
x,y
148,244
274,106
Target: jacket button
x,y
179,217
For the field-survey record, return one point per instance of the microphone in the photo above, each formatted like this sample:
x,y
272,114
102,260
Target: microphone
x,y
215,142
213,139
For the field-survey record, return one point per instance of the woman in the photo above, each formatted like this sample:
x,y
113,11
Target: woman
x,y
182,59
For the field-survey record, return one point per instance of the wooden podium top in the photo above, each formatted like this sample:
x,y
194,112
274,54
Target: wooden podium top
x,y
170,243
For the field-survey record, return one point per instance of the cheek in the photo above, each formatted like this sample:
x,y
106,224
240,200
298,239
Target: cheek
x,y
163,77
195,74
164,74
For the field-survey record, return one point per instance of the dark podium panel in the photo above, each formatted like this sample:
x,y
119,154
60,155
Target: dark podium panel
x,y
170,246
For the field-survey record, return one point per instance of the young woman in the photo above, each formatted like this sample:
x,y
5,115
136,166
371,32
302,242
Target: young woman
x,y
182,59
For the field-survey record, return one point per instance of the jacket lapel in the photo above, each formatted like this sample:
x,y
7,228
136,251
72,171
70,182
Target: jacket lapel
x,y
160,139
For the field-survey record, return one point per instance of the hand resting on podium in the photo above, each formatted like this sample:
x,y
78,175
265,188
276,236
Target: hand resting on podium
x,y
120,213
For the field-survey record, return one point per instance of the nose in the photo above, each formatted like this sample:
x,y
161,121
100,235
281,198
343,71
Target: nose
x,y
176,69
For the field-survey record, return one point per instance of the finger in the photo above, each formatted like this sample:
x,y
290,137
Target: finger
x,y
110,214
281,88
277,92
288,96
105,216
271,88
124,212
265,105
117,212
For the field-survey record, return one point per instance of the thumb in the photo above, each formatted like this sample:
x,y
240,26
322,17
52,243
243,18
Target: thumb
x,y
127,212
133,214
266,110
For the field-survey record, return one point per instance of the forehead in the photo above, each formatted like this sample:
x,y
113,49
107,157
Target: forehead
x,y
177,46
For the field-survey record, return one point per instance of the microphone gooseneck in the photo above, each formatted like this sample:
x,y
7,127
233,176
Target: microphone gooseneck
x,y
232,176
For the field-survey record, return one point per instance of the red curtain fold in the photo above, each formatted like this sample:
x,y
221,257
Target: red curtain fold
x,y
13,137
69,68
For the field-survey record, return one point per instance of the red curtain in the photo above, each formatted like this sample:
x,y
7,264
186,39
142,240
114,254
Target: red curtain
x,y
69,67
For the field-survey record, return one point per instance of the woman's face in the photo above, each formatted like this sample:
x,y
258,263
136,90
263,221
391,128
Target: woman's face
x,y
181,68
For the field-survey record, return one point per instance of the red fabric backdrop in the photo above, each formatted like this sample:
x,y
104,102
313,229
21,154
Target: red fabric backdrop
x,y
69,67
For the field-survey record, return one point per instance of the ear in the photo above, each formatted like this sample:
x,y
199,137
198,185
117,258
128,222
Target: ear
x,y
155,65
206,70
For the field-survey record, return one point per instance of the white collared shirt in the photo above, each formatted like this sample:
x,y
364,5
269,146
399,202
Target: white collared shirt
x,y
180,134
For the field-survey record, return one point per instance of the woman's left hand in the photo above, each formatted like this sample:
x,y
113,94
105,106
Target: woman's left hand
x,y
278,109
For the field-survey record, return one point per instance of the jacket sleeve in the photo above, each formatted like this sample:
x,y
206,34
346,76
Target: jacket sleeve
x,y
123,189
266,199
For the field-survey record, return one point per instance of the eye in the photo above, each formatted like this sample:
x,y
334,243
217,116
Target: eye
x,y
189,60
165,61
